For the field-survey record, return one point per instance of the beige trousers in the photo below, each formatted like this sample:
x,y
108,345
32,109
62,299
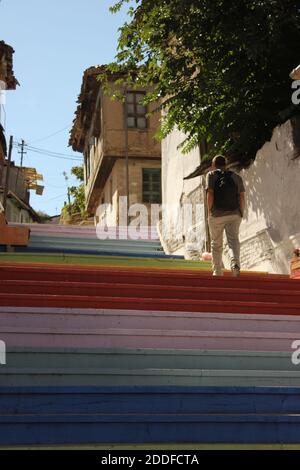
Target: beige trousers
x,y
231,225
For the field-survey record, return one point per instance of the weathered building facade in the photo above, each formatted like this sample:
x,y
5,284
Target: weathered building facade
x,y
7,82
118,142
6,66
18,207
18,182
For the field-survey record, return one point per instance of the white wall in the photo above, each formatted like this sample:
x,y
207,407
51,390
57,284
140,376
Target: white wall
x,y
177,236
273,195
271,226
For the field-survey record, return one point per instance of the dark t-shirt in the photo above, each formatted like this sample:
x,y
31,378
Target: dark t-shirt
x,y
211,179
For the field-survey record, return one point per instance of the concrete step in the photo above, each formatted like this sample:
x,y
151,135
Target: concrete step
x,y
73,241
90,337
234,294
68,358
14,377
97,260
147,233
132,415
154,400
95,252
144,276
139,303
89,429
60,318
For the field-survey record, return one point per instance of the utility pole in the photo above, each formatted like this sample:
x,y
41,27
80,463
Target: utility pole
x,y
22,153
22,145
7,172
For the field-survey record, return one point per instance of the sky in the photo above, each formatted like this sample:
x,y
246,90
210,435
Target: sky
x,y
54,42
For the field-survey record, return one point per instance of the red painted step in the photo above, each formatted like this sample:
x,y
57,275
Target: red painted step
x,y
147,291
137,303
143,276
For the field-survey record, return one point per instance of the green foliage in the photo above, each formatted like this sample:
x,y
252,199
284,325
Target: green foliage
x,y
78,171
78,194
220,67
43,216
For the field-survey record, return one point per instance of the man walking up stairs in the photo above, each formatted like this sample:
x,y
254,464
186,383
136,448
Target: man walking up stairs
x,y
226,203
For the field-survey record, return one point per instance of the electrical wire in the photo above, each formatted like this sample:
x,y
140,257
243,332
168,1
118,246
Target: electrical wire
x,y
51,135
59,157
50,153
54,198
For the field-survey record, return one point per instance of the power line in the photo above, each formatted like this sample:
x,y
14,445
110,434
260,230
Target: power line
x,y
50,153
59,157
51,135
30,147
53,186
54,198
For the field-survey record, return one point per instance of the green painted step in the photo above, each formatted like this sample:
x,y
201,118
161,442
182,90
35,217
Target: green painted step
x,y
12,377
122,261
73,242
68,358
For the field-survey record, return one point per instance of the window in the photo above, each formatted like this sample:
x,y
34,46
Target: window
x,y
136,112
152,185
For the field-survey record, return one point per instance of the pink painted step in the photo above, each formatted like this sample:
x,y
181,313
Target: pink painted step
x,y
139,338
59,318
88,231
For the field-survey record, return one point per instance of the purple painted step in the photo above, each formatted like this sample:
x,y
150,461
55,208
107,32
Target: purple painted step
x,y
57,318
146,338
147,233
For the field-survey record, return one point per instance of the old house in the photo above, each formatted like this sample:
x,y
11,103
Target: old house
x,y
7,82
121,155
6,67
18,208
19,180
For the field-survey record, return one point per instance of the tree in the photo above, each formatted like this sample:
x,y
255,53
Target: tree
x,y
220,67
78,194
43,216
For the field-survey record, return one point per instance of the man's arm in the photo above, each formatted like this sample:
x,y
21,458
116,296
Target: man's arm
x,y
210,200
242,202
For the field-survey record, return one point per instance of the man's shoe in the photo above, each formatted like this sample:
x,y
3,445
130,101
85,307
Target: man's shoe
x,y
236,270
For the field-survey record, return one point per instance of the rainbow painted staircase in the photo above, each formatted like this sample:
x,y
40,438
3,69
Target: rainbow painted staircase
x,y
113,343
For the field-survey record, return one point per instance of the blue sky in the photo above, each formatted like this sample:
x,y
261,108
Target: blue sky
x,y
54,42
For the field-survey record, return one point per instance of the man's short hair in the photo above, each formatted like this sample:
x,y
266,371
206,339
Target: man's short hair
x,y
219,161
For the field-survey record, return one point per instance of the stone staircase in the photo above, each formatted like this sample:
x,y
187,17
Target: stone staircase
x,y
105,347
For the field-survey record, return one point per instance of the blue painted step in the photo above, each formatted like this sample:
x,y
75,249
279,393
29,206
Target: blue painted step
x,y
57,416
96,252
157,400
132,429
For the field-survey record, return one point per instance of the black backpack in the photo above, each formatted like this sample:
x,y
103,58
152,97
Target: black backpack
x,y
226,196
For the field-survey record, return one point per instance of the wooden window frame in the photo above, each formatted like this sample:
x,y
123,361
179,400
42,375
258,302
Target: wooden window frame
x,y
136,115
150,196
